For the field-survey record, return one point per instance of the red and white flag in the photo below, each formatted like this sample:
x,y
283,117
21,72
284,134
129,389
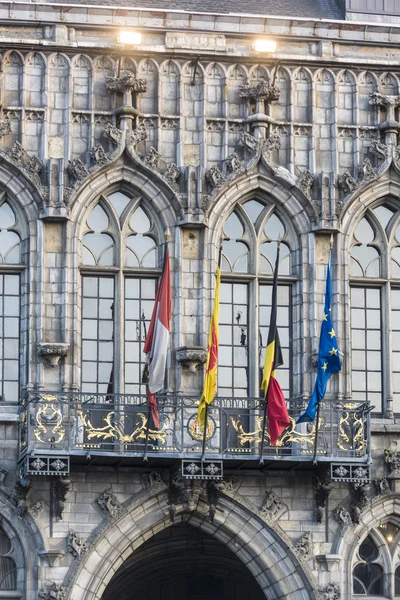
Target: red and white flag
x,y
157,339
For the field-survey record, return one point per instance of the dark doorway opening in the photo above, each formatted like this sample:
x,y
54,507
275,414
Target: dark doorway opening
x,y
181,563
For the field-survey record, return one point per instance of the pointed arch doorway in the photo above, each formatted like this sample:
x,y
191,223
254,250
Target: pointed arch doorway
x,y
182,563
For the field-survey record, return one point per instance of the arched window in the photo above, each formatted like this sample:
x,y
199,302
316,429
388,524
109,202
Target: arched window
x,y
10,269
249,252
119,261
8,569
367,574
375,307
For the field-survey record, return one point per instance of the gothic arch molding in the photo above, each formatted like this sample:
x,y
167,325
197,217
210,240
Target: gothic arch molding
x,y
257,545
25,197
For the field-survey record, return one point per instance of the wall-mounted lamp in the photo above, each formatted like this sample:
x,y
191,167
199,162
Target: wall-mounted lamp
x,y
129,37
265,46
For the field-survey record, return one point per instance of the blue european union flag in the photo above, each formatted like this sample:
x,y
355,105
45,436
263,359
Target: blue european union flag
x,y
328,354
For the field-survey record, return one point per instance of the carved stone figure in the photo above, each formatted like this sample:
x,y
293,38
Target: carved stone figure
x,y
366,171
215,178
5,127
138,135
76,546
382,486
109,503
99,156
151,159
343,516
18,154
273,142
392,459
303,546
77,170
20,495
113,133
271,506
380,150
36,510
347,183
359,501
330,592
234,164
53,591
305,182
61,489
321,496
213,490
249,142
172,174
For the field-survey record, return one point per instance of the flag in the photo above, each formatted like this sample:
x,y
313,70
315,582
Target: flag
x,y
328,354
278,417
210,382
157,339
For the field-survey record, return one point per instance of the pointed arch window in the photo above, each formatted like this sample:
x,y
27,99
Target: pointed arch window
x,y
10,273
251,232
375,307
119,264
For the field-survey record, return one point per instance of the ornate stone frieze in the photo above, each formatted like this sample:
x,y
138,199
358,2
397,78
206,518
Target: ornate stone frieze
x,y
113,133
382,486
272,507
76,545
53,352
77,170
109,503
303,546
359,501
191,358
151,159
61,489
215,178
98,156
249,142
53,591
392,459
126,83
305,182
346,183
234,164
262,90
343,516
331,591
172,174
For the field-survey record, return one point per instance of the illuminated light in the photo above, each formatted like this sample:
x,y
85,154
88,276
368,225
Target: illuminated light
x,y
263,45
389,538
131,38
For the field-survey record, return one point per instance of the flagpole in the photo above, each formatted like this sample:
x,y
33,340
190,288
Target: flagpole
x,y
206,411
266,391
315,460
167,235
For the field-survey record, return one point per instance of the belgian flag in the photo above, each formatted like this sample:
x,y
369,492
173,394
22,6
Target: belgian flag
x,y
275,405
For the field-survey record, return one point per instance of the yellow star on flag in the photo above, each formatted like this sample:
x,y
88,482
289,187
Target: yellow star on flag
x,y
325,317
333,351
325,366
332,333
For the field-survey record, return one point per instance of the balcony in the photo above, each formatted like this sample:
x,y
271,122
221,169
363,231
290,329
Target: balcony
x,y
57,429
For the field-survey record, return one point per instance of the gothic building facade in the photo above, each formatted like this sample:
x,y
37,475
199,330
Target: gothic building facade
x,y
192,138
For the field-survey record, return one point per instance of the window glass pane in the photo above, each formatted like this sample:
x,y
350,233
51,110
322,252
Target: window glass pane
x,y
395,298
9,337
365,257
10,247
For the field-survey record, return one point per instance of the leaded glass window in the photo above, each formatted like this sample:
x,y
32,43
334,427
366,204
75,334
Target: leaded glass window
x,y
251,234
120,256
10,269
368,575
375,307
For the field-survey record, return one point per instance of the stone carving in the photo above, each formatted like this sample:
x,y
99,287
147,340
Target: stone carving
x,y
36,510
191,358
382,486
359,501
172,174
215,178
152,482
138,135
126,83
330,592
390,103
5,126
77,170
99,156
261,91
347,183
213,490
113,133
234,164
303,546
343,516
273,142
109,503
271,506
20,495
184,492
18,154
305,182
380,150
75,545
31,165
392,459
396,157
53,591
321,496
61,489
366,172
53,352
249,142
204,202
151,159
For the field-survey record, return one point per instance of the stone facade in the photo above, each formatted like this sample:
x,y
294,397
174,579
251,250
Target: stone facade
x,y
102,142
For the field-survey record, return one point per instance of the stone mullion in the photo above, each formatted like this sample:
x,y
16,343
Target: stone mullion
x,y
119,318
334,132
253,341
40,319
291,165
203,143
225,149
312,159
356,120
91,108
71,325
179,143
386,349
68,123
23,115
342,309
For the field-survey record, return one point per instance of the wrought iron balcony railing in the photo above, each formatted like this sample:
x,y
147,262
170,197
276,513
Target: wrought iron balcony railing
x,y
112,425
